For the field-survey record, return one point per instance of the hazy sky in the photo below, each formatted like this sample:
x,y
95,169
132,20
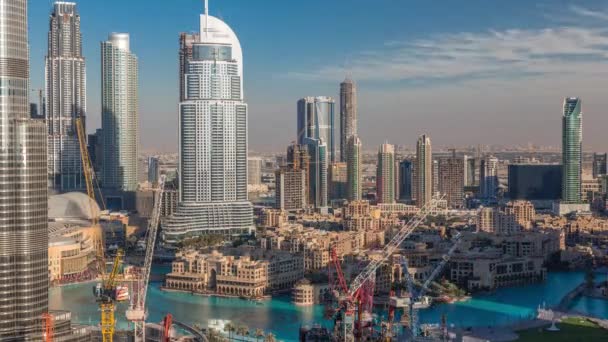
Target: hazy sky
x,y
464,72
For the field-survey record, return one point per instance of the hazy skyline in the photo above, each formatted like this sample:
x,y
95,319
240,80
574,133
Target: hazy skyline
x,y
470,72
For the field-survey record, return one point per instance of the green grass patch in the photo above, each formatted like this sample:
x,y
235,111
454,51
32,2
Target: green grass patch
x,y
571,329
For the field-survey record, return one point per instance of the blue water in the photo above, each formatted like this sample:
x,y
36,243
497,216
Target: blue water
x,y
283,319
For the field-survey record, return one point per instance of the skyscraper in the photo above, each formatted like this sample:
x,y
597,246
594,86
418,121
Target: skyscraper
x,y
299,158
316,121
424,171
385,174
338,175
254,171
451,180
318,181
599,164
353,169
406,177
65,87
213,136
469,171
23,180
488,177
572,145
290,189
119,117
348,114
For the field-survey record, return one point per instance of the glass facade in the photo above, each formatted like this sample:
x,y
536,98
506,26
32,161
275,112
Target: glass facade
x,y
23,180
316,121
572,145
535,182
65,86
119,116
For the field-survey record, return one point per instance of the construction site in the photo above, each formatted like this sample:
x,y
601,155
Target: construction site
x,y
350,306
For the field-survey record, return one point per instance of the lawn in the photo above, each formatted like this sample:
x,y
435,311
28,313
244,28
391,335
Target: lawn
x,y
571,329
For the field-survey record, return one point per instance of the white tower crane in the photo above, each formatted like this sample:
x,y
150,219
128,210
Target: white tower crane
x,y
137,309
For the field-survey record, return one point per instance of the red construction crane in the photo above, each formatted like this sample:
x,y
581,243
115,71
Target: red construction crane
x,y
48,327
167,323
356,292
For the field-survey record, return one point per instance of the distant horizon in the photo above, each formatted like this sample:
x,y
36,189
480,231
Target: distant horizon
x,y
459,80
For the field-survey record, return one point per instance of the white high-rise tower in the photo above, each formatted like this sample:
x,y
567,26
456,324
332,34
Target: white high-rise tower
x,y
212,136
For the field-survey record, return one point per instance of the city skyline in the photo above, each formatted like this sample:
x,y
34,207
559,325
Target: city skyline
x,y
392,106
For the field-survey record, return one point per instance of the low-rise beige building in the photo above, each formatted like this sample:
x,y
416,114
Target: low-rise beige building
x,y
490,269
235,272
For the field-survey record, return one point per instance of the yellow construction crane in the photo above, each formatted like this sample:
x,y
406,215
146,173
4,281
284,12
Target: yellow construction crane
x,y
89,173
106,294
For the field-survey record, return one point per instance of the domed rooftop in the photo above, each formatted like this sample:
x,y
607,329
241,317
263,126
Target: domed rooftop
x,y
72,205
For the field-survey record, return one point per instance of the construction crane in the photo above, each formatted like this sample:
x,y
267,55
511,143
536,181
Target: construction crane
x,y
354,293
167,324
48,327
137,310
106,294
414,297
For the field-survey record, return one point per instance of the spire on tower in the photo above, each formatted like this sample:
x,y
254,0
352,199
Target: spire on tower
x,y
206,25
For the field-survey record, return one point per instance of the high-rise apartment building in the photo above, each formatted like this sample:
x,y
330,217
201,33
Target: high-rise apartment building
x,y
385,174
23,179
316,121
65,88
119,116
470,170
348,114
572,145
406,178
353,168
424,171
451,180
318,180
290,189
254,171
213,136
488,177
338,175
435,176
299,158
599,164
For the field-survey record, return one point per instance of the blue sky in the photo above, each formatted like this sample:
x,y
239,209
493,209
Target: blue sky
x,y
464,72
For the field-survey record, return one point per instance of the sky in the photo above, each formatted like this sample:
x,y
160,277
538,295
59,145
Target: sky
x,y
465,72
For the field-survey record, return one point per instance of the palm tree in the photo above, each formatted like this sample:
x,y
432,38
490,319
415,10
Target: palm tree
x,y
270,337
229,328
259,333
242,330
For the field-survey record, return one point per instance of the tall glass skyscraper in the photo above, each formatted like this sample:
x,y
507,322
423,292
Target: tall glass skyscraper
x,y
119,117
353,168
316,121
23,180
572,145
318,180
488,177
212,136
65,77
385,174
424,170
348,114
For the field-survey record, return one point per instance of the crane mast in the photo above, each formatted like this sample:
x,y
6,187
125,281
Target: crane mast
x,y
137,310
369,271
